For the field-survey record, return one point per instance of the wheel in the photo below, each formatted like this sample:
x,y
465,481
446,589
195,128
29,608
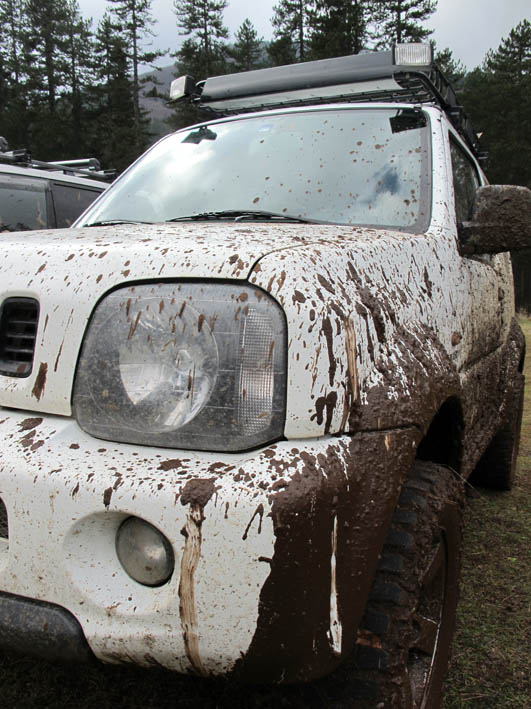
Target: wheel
x,y
404,642
497,467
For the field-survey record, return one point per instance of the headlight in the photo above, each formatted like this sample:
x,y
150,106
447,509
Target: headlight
x,y
190,365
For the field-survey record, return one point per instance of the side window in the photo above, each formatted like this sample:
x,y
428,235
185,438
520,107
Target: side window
x,y
466,181
70,201
22,203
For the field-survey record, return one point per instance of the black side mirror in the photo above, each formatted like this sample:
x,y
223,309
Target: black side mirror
x,y
501,221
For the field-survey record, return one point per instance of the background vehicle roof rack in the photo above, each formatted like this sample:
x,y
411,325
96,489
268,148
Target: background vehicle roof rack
x,y
83,167
405,74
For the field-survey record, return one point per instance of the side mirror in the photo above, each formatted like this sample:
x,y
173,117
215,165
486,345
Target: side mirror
x,y
501,221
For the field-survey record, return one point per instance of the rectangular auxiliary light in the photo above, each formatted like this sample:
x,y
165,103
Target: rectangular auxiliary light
x,y
182,87
413,54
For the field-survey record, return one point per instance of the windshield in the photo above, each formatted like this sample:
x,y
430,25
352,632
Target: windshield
x,y
366,166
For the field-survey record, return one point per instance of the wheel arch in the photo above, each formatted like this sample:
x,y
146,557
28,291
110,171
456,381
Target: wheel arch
x,y
443,440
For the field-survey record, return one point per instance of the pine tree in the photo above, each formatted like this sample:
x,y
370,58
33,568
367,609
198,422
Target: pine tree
x,y
247,50
498,97
453,69
282,51
401,21
112,130
14,116
338,28
11,33
45,48
509,71
78,54
136,22
291,26
203,52
46,70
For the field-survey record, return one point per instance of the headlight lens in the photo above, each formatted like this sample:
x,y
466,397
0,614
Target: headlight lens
x,y
187,365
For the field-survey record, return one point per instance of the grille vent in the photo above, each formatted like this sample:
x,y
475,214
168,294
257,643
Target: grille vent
x,y
18,329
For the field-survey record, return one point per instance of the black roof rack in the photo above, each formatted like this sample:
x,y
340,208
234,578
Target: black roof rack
x,y
405,74
84,167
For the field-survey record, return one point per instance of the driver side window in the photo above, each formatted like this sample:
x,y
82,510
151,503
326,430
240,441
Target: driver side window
x,y
466,182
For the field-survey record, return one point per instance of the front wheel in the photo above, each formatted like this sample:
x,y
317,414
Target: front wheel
x,y
404,642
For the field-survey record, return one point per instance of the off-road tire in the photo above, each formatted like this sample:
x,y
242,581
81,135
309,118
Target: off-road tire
x,y
497,467
404,641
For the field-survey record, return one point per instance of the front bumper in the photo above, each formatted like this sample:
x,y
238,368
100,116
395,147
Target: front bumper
x,y
270,585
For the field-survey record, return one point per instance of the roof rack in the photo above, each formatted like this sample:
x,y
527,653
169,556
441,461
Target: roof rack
x,y
84,167
405,74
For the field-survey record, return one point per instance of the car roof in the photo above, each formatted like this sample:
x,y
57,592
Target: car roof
x,y
55,175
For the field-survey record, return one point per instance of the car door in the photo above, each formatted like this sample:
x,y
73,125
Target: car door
x,y
483,277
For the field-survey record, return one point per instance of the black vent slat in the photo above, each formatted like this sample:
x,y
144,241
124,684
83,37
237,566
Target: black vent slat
x,y
3,521
30,338
19,318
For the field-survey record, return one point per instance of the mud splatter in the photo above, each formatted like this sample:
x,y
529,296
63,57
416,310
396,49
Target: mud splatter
x,y
29,423
329,335
259,512
107,497
171,464
40,381
196,493
327,402
187,609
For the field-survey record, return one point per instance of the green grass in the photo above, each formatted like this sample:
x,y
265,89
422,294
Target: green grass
x,y
491,664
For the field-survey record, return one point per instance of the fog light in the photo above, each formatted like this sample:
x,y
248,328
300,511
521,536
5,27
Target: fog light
x,y
144,552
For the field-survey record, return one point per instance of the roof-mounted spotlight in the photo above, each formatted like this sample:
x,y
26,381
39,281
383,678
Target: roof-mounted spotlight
x,y
182,88
413,54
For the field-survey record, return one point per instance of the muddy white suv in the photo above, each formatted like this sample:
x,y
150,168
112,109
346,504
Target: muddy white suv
x,y
240,399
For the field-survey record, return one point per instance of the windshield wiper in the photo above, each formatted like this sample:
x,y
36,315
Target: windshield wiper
x,y
114,222
239,215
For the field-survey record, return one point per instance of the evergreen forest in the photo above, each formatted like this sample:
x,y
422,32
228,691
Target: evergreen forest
x,y
69,89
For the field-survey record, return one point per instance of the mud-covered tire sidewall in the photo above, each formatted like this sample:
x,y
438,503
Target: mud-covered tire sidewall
x,y
429,514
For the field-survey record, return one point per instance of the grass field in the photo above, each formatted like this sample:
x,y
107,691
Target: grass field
x,y
491,664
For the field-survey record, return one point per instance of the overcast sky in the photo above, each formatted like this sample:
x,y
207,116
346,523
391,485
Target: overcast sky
x,y
469,27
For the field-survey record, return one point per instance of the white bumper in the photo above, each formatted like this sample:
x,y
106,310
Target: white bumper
x,y
63,513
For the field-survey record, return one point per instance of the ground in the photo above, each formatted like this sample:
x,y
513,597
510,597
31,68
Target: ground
x,y
491,665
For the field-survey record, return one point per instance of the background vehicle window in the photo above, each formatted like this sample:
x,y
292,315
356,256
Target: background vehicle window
x,y
22,203
69,202
466,182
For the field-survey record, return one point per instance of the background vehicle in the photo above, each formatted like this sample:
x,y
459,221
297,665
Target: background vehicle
x,y
249,387
39,195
